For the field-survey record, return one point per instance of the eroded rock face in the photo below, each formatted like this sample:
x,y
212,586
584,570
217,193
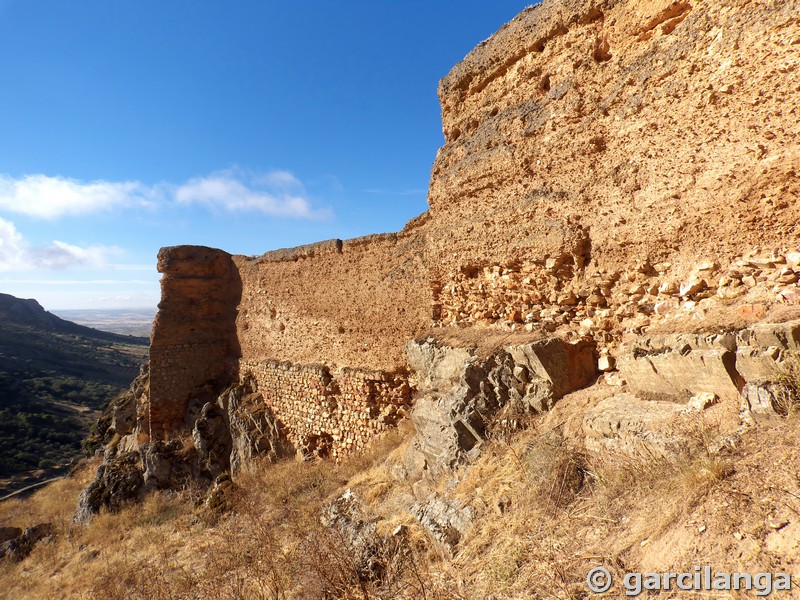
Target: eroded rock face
x,y
21,545
758,365
677,366
461,392
254,430
125,420
590,149
212,439
194,344
625,423
118,481
168,465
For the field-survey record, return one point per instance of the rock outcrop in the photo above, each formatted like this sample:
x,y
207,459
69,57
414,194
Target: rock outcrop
x,y
461,393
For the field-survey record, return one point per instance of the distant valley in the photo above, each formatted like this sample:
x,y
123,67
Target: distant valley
x,y
125,321
55,377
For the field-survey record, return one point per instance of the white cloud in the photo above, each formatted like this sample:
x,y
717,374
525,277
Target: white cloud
x,y
11,249
60,255
274,193
16,255
277,193
52,197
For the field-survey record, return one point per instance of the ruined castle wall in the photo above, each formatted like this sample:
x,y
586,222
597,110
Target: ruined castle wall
x,y
326,413
343,303
607,167
584,140
193,347
349,305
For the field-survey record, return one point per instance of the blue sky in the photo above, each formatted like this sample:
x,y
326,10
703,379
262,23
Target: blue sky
x,y
249,125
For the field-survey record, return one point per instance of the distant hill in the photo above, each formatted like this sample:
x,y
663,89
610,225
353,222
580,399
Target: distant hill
x,y
55,376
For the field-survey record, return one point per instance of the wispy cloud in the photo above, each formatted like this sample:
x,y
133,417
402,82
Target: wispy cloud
x,y
275,193
278,193
16,255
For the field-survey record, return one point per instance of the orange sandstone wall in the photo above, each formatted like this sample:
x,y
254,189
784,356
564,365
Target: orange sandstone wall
x,y
319,328
342,303
597,150
193,348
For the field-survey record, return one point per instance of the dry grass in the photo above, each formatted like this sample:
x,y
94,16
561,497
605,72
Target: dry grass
x,y
546,513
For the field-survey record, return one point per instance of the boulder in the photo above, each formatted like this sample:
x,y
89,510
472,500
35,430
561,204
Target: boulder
x,y
446,520
461,394
119,480
253,428
212,439
348,518
19,547
168,465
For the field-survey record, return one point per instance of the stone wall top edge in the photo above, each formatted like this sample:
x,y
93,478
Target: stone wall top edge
x,y
326,247
180,249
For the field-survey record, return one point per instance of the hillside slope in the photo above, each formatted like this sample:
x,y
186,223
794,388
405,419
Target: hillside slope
x,y
54,376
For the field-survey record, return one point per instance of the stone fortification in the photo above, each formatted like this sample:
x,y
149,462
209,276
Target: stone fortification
x,y
609,168
193,348
292,321
343,303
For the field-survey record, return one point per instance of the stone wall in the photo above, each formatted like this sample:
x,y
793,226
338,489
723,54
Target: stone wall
x,y
326,413
609,133
342,303
346,306
193,348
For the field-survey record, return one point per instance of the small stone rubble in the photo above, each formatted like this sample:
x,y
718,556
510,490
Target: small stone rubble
x,y
554,296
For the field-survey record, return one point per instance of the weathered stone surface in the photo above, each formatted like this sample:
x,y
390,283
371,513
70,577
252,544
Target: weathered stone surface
x,y
254,430
763,348
347,515
169,465
625,423
447,521
119,480
19,547
759,365
678,366
212,439
194,335
461,392
124,419
567,198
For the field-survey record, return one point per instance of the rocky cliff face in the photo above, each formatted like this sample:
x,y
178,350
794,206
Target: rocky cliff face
x,y
618,183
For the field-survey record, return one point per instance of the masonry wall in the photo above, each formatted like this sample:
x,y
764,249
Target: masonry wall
x,y
342,303
610,133
319,328
329,414
193,347
608,168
